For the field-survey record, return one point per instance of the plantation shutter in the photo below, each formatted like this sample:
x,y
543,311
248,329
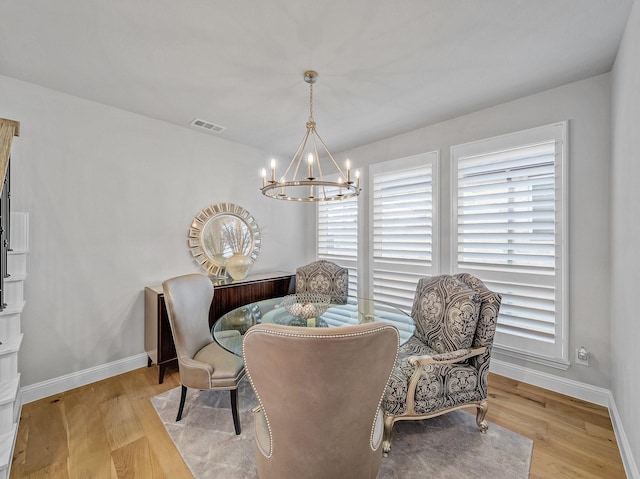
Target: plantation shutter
x,y
337,236
403,225
508,210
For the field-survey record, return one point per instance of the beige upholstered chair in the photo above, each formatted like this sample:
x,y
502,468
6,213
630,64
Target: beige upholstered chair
x,y
445,365
319,393
202,363
323,277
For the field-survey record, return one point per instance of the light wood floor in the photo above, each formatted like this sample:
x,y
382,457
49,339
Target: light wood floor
x,y
109,429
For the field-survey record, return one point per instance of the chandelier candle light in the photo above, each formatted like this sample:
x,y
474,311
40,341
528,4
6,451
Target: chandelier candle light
x,y
315,186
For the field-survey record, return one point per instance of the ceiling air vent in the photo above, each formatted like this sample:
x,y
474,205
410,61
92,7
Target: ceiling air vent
x,y
207,126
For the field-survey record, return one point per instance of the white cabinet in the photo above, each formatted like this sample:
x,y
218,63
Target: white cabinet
x,y
11,338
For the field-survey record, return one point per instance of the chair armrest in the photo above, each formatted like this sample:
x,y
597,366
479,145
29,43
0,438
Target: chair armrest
x,y
446,358
419,363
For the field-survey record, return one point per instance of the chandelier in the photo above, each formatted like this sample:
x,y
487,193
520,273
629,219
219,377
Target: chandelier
x,y
308,180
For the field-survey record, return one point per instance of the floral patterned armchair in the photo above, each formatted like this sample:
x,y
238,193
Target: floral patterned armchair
x,y
445,365
324,277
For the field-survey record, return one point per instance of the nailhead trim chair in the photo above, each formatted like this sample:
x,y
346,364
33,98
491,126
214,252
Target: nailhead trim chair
x,y
324,277
319,392
202,363
445,365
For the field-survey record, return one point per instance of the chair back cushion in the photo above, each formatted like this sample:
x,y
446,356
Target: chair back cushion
x,y
188,299
320,391
445,311
489,309
324,277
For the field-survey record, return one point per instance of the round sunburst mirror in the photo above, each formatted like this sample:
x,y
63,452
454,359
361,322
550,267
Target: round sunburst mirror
x,y
218,232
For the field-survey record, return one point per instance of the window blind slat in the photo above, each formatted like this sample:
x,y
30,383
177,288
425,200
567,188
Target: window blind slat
x,y
504,237
514,195
514,228
532,184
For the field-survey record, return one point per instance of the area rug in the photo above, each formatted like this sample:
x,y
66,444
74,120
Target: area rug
x,y
448,446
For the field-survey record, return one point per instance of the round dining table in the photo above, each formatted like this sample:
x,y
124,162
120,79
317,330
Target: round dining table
x,y
230,328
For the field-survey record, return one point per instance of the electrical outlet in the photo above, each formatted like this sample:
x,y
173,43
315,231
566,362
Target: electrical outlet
x,y
582,356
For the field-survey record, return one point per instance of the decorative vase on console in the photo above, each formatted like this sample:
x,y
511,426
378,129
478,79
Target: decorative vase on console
x,y
238,266
238,239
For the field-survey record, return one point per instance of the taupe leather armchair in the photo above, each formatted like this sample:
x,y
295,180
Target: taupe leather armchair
x,y
319,393
445,365
202,363
324,277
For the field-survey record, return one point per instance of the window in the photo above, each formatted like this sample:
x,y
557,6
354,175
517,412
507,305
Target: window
x,y
402,227
337,236
509,214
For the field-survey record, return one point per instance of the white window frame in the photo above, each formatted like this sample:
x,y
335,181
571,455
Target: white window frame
x,y
554,354
411,272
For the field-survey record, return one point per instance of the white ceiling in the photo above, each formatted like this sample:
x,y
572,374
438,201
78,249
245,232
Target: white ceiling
x,y
384,67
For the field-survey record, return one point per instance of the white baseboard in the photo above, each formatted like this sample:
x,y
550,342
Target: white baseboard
x,y
630,466
576,389
569,387
47,388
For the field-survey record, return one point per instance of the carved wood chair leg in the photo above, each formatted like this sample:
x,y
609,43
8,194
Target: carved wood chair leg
x,y
386,439
483,407
183,396
234,410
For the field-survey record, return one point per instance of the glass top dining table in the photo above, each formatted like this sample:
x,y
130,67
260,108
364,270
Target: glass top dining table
x,y
229,330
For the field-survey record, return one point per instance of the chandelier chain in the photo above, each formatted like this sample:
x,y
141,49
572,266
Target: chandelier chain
x,y
311,102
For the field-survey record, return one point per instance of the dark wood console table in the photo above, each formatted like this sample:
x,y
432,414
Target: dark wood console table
x,y
227,295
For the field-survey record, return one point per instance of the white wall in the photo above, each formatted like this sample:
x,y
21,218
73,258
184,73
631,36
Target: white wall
x,y
111,196
586,104
625,230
